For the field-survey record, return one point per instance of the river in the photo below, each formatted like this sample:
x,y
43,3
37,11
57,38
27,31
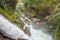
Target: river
x,y
39,31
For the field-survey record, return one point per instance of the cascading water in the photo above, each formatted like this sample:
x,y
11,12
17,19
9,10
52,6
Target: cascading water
x,y
39,34
36,34
10,30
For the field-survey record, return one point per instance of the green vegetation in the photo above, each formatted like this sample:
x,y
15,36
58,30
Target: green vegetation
x,y
55,22
42,9
7,14
5,10
39,8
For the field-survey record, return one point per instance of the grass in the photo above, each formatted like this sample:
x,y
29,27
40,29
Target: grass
x,y
7,14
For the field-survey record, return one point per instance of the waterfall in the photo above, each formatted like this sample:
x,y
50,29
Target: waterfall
x,y
36,34
10,30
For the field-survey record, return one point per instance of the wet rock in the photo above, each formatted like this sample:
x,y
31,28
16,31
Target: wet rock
x,y
21,23
35,19
2,37
22,39
27,31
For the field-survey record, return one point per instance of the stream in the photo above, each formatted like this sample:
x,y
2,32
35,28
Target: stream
x,y
11,30
40,34
39,31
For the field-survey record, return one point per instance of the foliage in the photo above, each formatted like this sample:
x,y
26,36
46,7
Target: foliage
x,y
5,11
7,14
55,21
40,8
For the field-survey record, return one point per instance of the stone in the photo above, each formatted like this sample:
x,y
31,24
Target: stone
x,y
27,31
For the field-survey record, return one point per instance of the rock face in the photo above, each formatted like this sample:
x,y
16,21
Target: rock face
x,y
27,31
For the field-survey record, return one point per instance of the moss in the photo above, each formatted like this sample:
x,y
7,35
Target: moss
x,y
10,16
7,14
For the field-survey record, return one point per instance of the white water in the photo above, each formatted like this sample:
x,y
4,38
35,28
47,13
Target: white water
x,y
11,30
14,32
39,35
35,33
38,32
